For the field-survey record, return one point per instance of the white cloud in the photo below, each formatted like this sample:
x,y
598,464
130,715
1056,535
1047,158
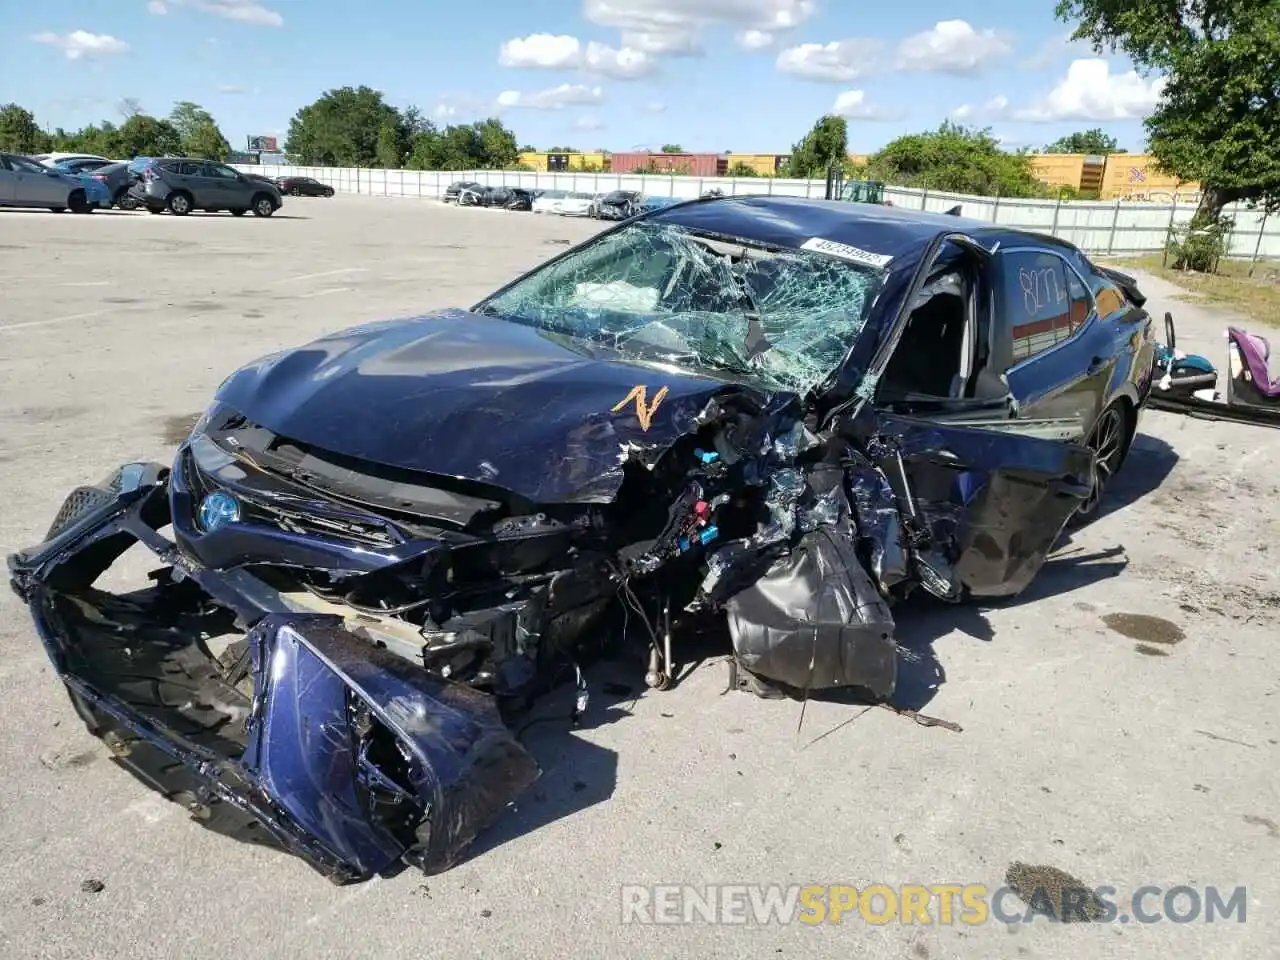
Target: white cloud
x,y
231,88
541,50
563,52
567,94
588,123
839,61
244,11
1090,91
672,27
852,104
80,44
445,110
655,106
626,63
996,107
755,39
952,46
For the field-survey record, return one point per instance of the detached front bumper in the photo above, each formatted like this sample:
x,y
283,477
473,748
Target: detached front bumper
x,y
302,735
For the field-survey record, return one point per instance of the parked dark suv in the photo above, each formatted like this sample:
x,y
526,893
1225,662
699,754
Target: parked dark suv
x,y
180,185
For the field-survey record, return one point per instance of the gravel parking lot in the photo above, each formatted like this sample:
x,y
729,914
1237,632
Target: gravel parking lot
x,y
1106,746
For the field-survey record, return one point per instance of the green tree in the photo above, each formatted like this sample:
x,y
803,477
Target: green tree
x,y
483,145
393,144
1094,142
19,132
956,159
103,139
341,129
143,136
498,144
672,148
198,132
563,150
740,169
1218,119
823,146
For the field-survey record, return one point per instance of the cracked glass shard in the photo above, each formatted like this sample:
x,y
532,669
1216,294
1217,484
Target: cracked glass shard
x,y
782,319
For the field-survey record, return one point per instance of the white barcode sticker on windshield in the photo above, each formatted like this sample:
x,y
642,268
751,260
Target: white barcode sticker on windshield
x,y
845,252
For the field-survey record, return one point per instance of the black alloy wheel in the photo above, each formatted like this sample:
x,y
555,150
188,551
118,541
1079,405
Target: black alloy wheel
x,y
1107,440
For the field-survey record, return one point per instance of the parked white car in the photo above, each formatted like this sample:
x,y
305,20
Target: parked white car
x,y
577,205
51,159
564,203
548,200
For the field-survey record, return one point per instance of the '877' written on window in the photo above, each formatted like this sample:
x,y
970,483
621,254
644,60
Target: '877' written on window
x,y
1044,301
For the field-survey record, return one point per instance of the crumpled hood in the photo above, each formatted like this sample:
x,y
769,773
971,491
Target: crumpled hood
x,y
467,395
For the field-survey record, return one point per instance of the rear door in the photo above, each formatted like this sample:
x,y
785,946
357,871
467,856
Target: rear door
x,y
226,187
1055,356
999,496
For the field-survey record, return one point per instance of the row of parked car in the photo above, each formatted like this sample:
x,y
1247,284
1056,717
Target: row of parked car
x,y
83,183
613,205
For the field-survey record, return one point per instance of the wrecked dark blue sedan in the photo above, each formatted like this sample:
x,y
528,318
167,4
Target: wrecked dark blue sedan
x,y
783,416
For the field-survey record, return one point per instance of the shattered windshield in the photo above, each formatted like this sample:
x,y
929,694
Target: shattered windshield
x,y
662,293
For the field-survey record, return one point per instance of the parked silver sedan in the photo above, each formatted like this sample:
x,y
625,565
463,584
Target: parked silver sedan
x,y
25,183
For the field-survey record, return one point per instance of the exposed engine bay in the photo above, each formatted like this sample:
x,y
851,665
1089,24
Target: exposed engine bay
x,y
729,519
330,653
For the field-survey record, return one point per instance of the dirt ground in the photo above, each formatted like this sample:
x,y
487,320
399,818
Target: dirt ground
x,y
1119,720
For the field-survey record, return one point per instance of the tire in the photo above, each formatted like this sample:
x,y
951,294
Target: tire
x,y
238,213
263,206
78,202
329,192
179,203
295,192
1110,440
123,201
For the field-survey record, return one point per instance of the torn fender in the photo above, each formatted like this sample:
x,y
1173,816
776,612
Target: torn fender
x,y
376,758
998,499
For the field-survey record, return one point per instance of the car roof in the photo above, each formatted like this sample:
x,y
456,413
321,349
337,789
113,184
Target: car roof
x,y
790,221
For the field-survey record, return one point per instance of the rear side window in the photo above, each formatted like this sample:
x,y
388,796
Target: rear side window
x,y
1108,296
1041,301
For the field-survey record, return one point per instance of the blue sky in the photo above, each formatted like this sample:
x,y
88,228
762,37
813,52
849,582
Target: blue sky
x,y
712,75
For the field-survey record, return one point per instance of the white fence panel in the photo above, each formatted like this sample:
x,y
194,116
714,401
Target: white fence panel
x,y
1115,227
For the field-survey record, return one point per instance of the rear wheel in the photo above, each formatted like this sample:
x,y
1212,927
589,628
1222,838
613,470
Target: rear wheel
x,y
1109,440
124,201
79,203
179,204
